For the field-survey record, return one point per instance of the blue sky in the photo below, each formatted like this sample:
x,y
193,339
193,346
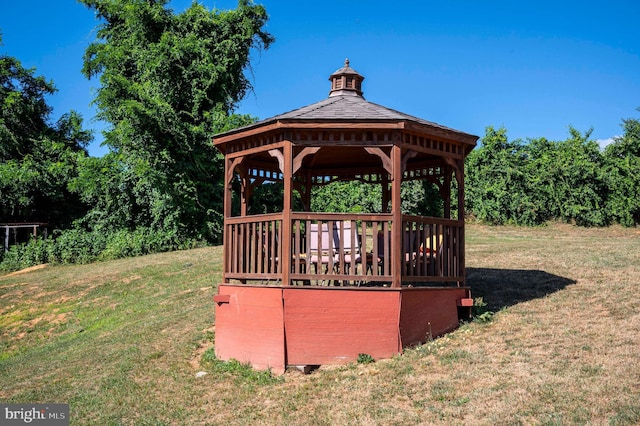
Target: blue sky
x,y
533,67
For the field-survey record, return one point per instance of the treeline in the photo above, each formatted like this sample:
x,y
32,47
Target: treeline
x,y
535,181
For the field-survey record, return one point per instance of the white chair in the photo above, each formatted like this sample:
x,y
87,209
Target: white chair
x,y
347,244
320,248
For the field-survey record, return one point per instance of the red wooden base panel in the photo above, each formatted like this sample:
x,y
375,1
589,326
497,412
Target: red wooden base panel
x,y
427,313
272,327
333,326
250,327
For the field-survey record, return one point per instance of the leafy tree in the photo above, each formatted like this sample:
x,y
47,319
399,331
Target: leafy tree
x,y
568,180
623,174
168,83
347,197
421,198
530,183
117,191
432,202
540,156
497,182
37,158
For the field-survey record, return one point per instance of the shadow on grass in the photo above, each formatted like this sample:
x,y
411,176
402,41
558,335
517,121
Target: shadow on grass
x,y
501,288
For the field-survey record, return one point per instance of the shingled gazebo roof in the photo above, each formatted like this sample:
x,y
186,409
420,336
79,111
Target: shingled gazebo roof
x,y
347,105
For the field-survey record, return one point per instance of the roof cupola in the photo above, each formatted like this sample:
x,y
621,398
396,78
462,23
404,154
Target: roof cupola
x,y
346,81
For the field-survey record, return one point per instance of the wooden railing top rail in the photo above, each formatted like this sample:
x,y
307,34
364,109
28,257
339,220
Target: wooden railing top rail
x,y
341,216
254,218
376,217
431,220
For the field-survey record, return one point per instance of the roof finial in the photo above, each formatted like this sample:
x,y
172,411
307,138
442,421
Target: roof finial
x,y
346,62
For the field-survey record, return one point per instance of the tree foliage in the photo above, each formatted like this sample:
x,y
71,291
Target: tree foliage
x,y
37,158
168,82
623,174
420,198
497,188
569,179
572,180
347,197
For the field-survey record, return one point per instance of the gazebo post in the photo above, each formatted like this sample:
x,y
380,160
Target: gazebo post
x,y
385,193
245,192
286,212
228,194
446,192
397,229
460,179
306,199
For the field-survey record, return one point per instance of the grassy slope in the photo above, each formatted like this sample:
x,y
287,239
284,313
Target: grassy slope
x,y
121,341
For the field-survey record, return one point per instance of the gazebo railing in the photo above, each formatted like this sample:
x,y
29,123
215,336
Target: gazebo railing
x,y
252,247
342,249
437,247
345,249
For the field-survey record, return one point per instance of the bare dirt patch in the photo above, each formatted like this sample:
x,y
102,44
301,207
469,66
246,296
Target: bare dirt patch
x,y
25,270
203,346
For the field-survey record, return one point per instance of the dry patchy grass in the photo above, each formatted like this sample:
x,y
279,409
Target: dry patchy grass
x,y
121,342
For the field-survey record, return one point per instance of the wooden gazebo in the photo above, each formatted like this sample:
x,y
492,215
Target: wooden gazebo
x,y
306,288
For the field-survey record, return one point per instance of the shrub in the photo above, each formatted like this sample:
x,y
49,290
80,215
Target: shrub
x,y
78,246
24,255
365,359
480,311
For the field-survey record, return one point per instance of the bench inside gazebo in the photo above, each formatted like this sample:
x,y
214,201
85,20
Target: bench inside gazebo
x,y
307,288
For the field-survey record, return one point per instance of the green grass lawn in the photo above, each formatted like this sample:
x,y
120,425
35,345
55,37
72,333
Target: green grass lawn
x,y
122,341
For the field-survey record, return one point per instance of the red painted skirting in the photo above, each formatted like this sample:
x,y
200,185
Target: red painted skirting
x,y
271,327
333,326
427,313
250,328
